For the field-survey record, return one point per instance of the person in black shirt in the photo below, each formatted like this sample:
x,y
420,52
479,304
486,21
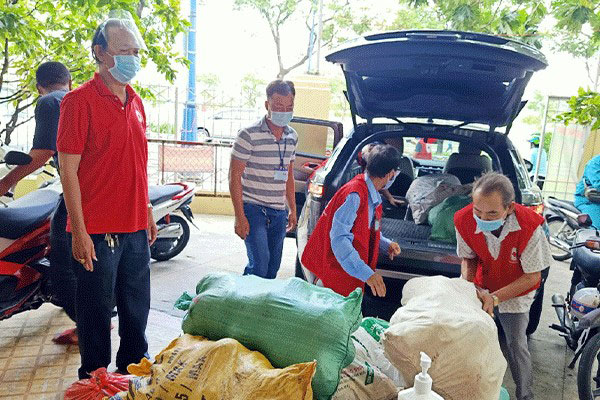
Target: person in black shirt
x,y
53,81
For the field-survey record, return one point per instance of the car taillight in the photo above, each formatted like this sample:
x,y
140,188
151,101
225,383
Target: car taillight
x,y
592,244
316,189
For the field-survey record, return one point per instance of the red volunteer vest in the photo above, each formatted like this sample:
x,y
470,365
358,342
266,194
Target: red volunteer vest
x,y
495,274
318,256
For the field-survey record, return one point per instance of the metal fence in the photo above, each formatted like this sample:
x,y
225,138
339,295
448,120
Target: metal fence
x,y
570,149
220,115
205,164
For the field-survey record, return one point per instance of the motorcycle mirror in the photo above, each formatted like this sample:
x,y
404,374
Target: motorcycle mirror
x,y
17,158
592,244
529,165
584,220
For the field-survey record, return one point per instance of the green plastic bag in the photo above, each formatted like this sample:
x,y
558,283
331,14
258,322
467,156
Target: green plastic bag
x,y
441,218
288,321
375,327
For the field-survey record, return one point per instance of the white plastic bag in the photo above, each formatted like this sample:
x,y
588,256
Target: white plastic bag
x,y
363,380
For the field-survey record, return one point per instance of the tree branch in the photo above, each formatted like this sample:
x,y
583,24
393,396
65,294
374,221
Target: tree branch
x,y
13,123
5,63
11,97
284,71
140,8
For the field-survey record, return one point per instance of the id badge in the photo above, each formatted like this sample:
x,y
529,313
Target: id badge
x,y
377,225
281,174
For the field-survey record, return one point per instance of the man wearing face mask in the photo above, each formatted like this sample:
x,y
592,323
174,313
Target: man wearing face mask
x,y
103,155
343,249
504,249
261,181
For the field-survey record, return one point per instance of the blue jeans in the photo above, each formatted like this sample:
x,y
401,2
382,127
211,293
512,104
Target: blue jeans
x,y
121,273
264,243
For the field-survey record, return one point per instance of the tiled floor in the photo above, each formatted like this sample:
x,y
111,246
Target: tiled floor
x,y
32,367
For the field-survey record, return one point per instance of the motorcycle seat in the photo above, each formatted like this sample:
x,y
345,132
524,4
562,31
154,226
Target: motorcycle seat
x,y
161,193
27,213
568,205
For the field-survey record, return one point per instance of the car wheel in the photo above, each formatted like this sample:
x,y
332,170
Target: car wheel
x,y
299,273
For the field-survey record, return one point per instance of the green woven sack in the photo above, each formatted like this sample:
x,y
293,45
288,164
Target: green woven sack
x,y
288,321
441,218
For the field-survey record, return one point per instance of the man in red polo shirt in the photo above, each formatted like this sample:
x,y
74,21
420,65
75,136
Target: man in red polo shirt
x,y
103,155
504,249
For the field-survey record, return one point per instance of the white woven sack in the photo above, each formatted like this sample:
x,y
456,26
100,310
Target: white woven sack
x,y
443,318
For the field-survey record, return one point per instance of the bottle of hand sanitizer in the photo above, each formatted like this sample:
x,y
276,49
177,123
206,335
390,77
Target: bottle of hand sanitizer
x,y
422,387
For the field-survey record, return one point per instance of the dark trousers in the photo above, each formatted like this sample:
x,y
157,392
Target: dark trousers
x,y
62,276
123,272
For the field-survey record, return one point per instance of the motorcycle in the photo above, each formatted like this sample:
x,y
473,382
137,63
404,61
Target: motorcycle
x,y
24,246
561,216
25,238
173,230
579,312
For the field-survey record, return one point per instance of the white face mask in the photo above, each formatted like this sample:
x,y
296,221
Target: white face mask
x,y
391,181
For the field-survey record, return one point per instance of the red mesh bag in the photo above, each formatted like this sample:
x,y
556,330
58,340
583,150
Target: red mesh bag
x,y
100,384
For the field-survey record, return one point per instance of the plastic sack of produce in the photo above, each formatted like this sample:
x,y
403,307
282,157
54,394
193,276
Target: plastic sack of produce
x,y
369,338
443,318
100,385
427,191
362,379
441,218
289,321
194,368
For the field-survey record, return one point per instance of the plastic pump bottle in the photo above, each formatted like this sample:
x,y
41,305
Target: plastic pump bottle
x,y
422,388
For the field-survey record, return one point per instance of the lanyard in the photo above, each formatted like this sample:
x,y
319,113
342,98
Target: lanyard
x,y
279,151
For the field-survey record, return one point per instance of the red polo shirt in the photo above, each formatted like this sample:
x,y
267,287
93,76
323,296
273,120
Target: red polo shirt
x,y
111,139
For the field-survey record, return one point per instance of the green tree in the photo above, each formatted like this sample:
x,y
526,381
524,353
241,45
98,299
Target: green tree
x,y
514,18
209,81
578,25
35,31
252,89
338,18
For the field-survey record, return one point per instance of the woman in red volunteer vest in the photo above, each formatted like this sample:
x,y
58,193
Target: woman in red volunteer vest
x,y
503,248
342,251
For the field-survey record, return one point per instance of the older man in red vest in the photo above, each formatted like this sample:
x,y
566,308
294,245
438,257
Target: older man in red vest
x,y
504,249
343,249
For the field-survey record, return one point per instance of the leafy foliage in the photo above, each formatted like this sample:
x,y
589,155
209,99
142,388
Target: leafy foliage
x,y
578,22
584,109
35,31
518,19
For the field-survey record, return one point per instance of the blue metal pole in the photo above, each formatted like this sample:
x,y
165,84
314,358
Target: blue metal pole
x,y
311,42
189,130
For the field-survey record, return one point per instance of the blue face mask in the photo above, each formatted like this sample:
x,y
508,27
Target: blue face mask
x,y
126,67
489,226
391,181
281,118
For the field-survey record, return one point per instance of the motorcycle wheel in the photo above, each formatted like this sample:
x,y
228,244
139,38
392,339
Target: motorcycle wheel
x,y
557,230
588,384
165,249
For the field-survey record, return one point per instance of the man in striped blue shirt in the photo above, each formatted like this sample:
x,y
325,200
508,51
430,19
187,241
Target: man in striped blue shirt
x,y
261,180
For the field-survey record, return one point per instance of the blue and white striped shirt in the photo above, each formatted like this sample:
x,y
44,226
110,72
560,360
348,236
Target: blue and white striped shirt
x,y
257,147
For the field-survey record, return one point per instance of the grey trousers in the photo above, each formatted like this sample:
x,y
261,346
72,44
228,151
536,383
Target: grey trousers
x,y
517,352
